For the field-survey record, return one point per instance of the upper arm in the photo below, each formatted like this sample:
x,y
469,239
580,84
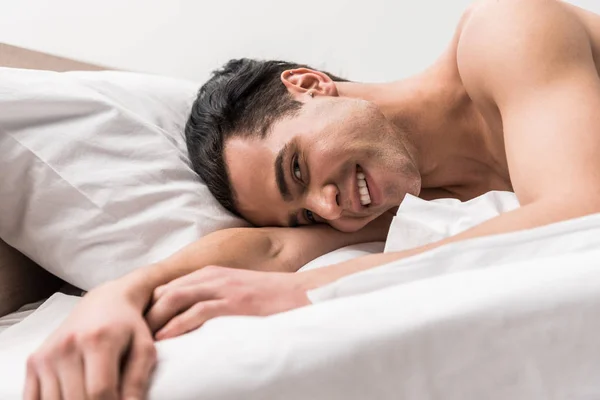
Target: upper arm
x,y
532,61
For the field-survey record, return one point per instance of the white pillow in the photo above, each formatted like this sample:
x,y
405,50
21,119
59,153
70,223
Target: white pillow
x,y
95,179
344,254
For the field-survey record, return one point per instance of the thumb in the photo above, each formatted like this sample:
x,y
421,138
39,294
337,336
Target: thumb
x,y
138,367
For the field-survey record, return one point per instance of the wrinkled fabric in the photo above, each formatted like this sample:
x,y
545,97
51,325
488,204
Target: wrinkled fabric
x,y
512,316
95,178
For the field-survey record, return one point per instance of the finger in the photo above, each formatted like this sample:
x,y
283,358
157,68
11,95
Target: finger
x,y
32,385
177,300
192,318
49,386
71,377
139,364
158,292
202,275
101,372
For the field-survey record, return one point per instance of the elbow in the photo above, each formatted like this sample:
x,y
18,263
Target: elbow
x,y
261,249
274,244
262,245
282,252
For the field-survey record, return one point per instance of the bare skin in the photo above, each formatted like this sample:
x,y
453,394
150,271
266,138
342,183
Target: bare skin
x,y
512,105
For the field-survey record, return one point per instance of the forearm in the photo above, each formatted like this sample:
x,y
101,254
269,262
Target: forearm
x,y
261,249
235,247
526,217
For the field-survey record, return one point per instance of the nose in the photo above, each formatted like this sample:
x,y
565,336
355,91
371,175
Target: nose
x,y
325,202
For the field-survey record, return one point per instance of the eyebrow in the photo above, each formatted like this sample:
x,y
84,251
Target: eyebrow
x,y
284,190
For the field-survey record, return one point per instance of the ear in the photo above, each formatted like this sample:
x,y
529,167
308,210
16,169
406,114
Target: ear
x,y
304,83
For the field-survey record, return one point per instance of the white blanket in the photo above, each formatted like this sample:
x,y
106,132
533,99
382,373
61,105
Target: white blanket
x,y
507,317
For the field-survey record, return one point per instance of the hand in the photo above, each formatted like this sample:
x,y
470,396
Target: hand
x,y
83,359
188,302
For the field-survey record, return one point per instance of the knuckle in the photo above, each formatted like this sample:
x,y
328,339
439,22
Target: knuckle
x,y
31,363
174,298
199,312
148,350
42,358
199,308
229,304
159,291
66,344
94,336
35,361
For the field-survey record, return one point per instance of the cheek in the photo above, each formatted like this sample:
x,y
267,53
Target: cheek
x,y
330,154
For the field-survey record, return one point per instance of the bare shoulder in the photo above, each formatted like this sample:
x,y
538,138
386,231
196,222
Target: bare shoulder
x,y
489,19
510,39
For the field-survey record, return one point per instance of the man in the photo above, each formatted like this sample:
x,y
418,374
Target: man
x,y
512,105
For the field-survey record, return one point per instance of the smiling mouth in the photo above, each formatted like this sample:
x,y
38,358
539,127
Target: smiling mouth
x,y
363,188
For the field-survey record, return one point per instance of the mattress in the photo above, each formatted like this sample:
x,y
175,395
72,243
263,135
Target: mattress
x,y
511,316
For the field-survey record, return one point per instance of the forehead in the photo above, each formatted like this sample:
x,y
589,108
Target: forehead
x,y
250,164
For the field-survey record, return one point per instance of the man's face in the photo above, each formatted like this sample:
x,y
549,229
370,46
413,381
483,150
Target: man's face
x,y
306,169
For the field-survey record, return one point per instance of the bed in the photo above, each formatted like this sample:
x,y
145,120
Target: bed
x,y
513,316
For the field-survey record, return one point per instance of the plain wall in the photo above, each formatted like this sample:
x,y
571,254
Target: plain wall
x,y
370,40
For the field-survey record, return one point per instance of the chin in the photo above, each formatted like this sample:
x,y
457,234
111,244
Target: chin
x,y
349,226
356,224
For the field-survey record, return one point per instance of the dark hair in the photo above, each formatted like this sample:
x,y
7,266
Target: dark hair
x,y
243,98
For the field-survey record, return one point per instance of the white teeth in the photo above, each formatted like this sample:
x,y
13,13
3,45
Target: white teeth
x,y
363,190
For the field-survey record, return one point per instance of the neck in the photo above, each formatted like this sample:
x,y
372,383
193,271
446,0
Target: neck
x,y
429,111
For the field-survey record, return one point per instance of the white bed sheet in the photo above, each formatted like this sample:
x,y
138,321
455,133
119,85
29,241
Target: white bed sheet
x,y
14,318
507,317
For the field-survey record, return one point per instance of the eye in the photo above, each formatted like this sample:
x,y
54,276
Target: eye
x,y
296,168
309,215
